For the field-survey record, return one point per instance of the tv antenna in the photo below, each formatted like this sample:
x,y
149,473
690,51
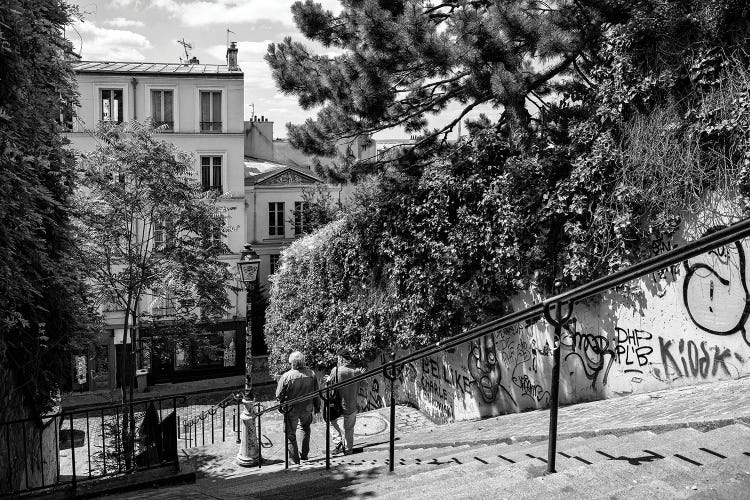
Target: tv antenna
x,y
186,46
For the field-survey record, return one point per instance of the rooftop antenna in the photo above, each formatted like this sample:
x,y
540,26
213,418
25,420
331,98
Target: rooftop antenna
x,y
228,32
252,105
186,46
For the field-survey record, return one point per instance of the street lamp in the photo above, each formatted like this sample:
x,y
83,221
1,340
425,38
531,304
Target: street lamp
x,y
248,268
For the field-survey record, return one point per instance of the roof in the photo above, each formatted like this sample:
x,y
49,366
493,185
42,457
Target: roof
x,y
259,171
146,68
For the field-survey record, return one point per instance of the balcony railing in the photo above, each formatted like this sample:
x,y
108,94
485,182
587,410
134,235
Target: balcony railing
x,y
211,127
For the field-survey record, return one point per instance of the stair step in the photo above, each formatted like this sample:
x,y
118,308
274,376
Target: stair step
x,y
726,478
443,482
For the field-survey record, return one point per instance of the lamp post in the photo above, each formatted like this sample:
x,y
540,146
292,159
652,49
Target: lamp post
x,y
248,268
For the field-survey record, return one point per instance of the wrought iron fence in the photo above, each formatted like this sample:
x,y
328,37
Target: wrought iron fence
x,y
63,449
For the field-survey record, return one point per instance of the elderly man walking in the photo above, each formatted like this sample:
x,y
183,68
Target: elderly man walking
x,y
292,384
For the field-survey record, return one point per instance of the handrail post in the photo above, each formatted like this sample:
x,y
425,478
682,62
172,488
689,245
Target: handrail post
x,y
392,434
259,412
72,451
558,322
238,441
326,399
177,435
286,441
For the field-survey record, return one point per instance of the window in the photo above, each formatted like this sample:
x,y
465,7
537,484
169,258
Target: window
x,y
160,235
164,303
276,219
274,263
299,218
111,105
65,120
211,173
210,111
162,102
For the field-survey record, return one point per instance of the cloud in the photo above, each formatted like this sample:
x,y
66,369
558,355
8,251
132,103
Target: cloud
x,y
110,44
121,22
228,12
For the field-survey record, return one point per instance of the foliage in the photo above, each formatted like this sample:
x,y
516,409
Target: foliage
x,y
147,227
44,312
404,60
445,234
317,209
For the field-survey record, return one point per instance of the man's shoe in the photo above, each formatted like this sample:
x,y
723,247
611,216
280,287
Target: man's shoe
x,y
303,458
339,447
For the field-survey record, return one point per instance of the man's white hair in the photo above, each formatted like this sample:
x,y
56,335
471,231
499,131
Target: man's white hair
x,y
297,360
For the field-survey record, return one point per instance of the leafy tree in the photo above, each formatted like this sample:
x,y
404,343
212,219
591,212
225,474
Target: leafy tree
x,y
44,313
454,230
317,209
147,227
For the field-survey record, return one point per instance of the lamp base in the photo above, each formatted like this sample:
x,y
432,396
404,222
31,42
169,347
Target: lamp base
x,y
248,453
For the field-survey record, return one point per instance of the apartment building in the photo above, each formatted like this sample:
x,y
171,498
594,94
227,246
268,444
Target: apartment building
x,y
201,109
276,176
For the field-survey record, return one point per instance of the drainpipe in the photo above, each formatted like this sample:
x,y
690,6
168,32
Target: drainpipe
x,y
134,83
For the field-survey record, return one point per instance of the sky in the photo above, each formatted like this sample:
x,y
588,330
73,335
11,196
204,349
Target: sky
x,y
148,30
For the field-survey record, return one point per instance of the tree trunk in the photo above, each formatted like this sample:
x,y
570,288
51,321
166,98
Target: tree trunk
x,y
28,455
518,119
126,425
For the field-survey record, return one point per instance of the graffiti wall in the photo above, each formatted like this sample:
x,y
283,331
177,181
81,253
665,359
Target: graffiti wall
x,y
687,325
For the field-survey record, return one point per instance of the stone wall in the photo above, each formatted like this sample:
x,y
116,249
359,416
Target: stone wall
x,y
684,325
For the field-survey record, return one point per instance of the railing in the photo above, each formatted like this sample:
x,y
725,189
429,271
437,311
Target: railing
x,y
211,126
557,310
69,447
63,449
189,426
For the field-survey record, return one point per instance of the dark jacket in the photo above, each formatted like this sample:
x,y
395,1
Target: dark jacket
x,y
295,383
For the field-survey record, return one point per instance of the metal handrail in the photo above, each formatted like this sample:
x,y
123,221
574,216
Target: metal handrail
x,y
180,397
716,239
234,397
127,451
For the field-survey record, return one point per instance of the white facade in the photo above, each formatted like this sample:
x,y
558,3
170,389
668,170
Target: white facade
x,y
187,136
271,197
203,108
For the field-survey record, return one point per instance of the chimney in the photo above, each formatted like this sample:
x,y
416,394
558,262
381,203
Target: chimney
x,y
232,57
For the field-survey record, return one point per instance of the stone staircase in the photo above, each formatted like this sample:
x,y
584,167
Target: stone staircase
x,y
679,463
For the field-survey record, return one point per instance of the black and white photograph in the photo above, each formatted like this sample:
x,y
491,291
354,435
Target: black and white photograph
x,y
397,249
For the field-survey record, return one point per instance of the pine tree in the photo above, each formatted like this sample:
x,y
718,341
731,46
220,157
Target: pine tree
x,y
404,60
